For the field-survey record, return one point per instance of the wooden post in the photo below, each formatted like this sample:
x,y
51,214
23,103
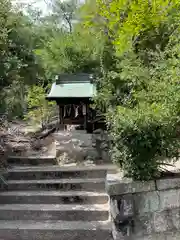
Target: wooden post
x,y
61,112
85,119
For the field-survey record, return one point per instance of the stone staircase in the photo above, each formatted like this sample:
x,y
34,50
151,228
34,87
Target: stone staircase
x,y
46,202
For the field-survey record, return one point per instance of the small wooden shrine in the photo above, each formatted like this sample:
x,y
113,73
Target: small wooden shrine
x,y
73,94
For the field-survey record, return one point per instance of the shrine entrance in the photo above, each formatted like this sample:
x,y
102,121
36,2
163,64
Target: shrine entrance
x,y
75,112
73,94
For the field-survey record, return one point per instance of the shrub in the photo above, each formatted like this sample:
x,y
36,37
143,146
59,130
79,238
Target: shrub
x,y
40,110
144,139
144,124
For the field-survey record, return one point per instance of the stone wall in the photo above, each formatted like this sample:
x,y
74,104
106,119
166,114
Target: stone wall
x,y
74,146
144,210
79,146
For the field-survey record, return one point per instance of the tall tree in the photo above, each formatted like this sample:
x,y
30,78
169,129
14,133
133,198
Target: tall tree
x,y
18,65
70,50
63,13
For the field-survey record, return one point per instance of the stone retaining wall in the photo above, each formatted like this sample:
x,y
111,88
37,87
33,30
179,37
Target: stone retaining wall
x,y
78,146
144,211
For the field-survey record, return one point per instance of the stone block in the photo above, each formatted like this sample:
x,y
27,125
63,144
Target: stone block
x,y
105,156
156,223
151,214
122,232
151,237
172,236
75,146
116,185
169,183
143,226
91,154
122,208
73,138
147,202
175,214
169,199
162,222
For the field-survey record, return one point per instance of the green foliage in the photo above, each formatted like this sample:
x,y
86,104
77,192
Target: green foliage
x,y
18,66
64,13
145,119
34,48
69,53
13,100
139,87
69,49
132,18
144,139
40,110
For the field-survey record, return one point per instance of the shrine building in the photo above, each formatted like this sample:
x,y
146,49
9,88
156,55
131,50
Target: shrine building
x,y
74,94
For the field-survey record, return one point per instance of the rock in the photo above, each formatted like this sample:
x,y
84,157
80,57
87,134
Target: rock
x,y
122,208
122,232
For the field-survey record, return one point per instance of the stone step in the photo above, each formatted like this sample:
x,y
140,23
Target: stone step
x,y
38,212
79,184
56,172
18,160
53,197
55,230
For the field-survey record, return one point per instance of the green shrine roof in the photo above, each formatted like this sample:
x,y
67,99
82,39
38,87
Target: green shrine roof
x,y
72,86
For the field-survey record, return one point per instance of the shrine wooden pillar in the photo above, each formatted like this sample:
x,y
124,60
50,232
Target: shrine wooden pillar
x,y
61,114
85,117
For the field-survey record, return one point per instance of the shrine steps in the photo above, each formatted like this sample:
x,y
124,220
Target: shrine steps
x,y
53,197
19,160
79,184
54,230
56,172
53,203
38,212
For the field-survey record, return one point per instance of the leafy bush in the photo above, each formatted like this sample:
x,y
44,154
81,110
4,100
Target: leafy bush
x,y
144,120
144,139
40,110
